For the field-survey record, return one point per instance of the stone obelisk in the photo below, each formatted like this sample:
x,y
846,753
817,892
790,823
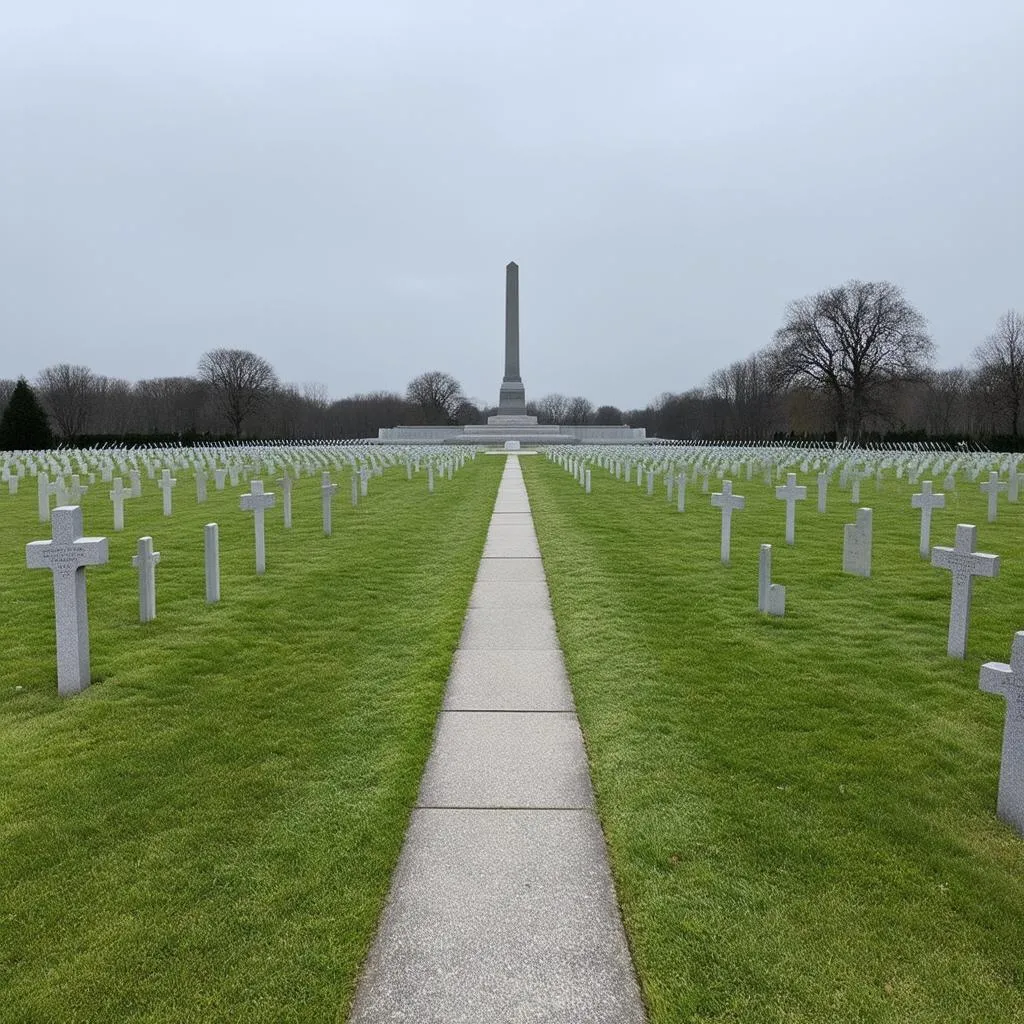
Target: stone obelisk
x,y
512,396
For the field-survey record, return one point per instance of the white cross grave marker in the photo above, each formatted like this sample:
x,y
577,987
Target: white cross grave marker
x,y
926,501
166,484
117,496
1008,681
726,501
66,556
965,563
146,562
258,502
790,494
992,488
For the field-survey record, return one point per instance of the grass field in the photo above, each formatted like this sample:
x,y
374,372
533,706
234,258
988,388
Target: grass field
x,y
208,832
800,812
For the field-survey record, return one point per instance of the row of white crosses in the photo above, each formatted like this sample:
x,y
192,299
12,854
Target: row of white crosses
x,y
68,553
964,563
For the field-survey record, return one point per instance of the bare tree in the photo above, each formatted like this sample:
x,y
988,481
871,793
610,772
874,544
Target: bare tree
x,y
608,416
552,408
1001,359
850,341
239,382
437,395
580,411
67,393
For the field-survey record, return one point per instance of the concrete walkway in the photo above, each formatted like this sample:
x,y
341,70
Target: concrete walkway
x,y
502,907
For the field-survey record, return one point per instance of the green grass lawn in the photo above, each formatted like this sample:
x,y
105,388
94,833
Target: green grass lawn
x,y
208,832
800,812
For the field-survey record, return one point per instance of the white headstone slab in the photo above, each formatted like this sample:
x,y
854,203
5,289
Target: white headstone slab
x,y
258,502
790,493
355,490
855,490
1013,491
1008,682
726,501
327,490
586,483
764,577
776,600
926,501
650,482
212,562
681,493
146,562
430,477
44,490
965,563
200,487
857,544
992,487
285,483
822,492
136,483
219,476
66,556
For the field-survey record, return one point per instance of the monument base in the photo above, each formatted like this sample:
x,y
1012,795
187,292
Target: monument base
x,y
506,420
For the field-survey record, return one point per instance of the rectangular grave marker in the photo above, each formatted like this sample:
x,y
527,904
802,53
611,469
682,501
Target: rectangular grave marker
x,y
146,562
857,544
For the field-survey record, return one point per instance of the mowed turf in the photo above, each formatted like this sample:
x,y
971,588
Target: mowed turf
x,y
800,812
208,832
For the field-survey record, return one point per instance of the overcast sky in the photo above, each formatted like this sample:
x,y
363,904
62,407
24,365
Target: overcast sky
x,y
338,185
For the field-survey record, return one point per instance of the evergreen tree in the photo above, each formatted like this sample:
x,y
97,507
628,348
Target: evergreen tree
x,y
24,424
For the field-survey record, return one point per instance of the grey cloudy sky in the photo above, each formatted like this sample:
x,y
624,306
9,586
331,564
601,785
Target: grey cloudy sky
x,y
338,185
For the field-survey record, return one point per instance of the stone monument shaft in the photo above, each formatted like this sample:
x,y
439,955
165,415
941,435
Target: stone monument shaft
x,y
512,396
512,323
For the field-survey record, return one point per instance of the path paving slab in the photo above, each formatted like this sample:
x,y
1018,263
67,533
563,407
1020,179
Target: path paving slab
x,y
500,917
507,759
508,681
511,570
508,629
492,594
499,546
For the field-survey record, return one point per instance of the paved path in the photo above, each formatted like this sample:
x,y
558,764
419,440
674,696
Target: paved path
x,y
502,907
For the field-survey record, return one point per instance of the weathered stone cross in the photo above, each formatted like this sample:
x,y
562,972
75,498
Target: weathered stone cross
x,y
727,501
926,501
965,563
1008,680
66,556
790,493
258,502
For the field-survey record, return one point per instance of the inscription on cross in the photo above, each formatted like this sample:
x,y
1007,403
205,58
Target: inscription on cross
x,y
1008,681
66,556
965,563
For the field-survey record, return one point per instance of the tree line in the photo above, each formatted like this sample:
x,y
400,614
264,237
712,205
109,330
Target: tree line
x,y
851,362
